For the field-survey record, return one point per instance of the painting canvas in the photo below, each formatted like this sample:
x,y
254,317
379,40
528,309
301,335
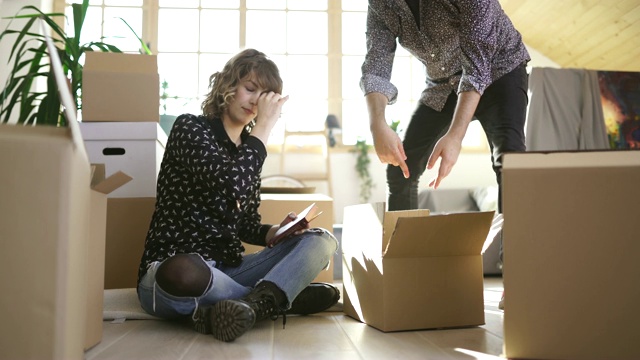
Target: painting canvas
x,y
620,94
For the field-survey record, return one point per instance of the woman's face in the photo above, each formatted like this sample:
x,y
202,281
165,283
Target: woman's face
x,y
244,106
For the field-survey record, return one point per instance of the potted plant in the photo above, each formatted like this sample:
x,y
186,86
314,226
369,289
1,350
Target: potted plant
x,y
29,63
361,149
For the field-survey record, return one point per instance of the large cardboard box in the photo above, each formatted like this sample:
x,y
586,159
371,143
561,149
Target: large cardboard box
x,y
100,187
275,207
128,221
120,87
408,270
44,207
134,148
571,250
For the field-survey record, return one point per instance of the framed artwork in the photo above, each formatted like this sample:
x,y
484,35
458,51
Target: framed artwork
x,y
620,94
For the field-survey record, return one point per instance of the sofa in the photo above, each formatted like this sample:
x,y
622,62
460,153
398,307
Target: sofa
x,y
463,200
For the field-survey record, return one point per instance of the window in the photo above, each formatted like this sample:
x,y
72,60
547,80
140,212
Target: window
x,y
407,77
320,66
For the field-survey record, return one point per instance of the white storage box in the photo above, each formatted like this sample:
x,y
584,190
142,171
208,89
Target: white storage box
x,y
135,148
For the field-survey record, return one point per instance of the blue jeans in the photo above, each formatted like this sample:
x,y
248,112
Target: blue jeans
x,y
291,265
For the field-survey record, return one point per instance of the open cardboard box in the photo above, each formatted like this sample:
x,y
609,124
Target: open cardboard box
x,y
52,221
408,270
101,186
571,248
44,221
120,87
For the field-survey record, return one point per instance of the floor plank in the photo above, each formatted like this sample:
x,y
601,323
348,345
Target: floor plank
x,y
330,335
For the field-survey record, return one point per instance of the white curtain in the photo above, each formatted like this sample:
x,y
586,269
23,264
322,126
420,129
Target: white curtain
x,y
565,111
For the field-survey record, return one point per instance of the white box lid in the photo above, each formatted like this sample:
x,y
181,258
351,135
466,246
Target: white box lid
x,y
92,131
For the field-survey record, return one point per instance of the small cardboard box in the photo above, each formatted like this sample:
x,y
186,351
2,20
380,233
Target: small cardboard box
x,y
100,187
571,249
134,148
120,87
275,207
44,207
128,221
408,270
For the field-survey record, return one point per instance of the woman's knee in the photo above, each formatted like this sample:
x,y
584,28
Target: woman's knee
x,y
184,275
329,239
318,239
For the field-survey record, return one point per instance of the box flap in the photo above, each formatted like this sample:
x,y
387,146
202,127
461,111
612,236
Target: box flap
x,y
391,219
98,173
120,62
106,186
440,235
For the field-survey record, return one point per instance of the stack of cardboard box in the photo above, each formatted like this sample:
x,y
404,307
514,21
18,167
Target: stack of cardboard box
x,y
120,127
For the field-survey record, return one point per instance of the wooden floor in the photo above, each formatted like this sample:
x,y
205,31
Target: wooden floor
x,y
330,335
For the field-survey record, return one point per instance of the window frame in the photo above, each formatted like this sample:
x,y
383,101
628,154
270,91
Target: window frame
x,y
150,11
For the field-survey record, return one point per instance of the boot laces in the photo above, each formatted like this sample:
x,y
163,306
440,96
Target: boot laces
x,y
264,305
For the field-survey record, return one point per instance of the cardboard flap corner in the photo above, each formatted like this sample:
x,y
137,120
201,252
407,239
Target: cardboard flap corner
x,y
391,220
106,185
440,235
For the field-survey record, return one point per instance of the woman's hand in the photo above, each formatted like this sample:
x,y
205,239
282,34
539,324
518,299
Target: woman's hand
x,y
270,107
289,218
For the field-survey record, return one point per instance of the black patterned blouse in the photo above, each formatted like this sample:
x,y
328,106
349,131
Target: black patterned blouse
x,y
208,194
464,44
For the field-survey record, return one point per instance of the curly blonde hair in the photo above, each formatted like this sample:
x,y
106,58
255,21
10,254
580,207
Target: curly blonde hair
x,y
223,84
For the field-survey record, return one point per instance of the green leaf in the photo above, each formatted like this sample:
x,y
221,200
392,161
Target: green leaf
x,y
79,14
28,64
143,45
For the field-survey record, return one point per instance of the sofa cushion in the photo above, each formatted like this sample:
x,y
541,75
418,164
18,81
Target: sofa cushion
x,y
485,197
446,200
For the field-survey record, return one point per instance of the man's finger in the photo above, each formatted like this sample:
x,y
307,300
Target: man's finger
x,y
404,168
433,159
433,182
443,171
402,153
438,179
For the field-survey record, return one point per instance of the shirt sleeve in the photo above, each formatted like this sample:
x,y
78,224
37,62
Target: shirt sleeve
x,y
479,34
378,62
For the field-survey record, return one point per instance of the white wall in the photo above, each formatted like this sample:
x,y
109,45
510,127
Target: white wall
x,y
539,60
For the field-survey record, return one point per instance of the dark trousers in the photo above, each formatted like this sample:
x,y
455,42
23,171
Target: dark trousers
x,y
501,112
